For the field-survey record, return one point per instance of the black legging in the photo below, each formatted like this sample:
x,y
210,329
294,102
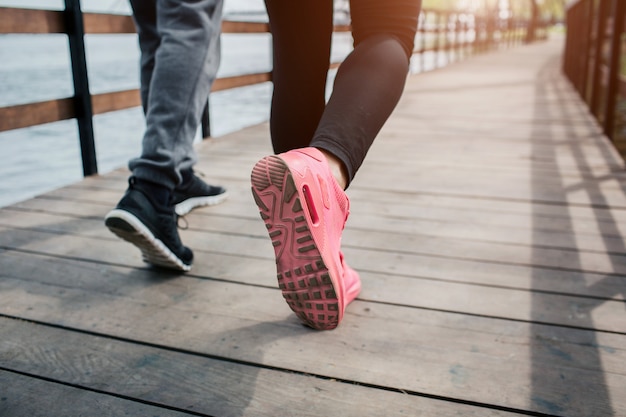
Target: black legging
x,y
368,84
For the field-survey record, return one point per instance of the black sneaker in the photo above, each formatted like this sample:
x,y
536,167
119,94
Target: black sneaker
x,y
196,193
139,220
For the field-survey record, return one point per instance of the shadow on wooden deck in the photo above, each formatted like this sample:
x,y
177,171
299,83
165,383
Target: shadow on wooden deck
x,y
487,225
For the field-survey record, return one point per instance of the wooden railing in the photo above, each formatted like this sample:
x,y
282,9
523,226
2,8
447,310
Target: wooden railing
x,y
83,105
453,34
594,59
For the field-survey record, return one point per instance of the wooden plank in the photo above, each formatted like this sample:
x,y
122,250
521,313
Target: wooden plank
x,y
32,114
96,23
237,81
244,27
388,236
589,241
118,100
429,352
396,206
175,383
409,205
14,20
101,23
393,277
485,267
24,115
29,396
416,221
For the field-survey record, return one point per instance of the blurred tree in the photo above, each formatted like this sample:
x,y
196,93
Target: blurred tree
x,y
531,34
554,10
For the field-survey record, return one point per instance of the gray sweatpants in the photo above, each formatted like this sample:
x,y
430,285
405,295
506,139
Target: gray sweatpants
x,y
180,54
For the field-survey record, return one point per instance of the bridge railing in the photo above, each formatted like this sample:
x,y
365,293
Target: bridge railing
x,y
595,62
443,36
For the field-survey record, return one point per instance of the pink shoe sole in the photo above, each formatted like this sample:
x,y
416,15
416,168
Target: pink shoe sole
x,y
305,224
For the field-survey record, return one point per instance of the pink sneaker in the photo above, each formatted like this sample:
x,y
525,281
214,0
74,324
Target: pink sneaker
x,y
305,211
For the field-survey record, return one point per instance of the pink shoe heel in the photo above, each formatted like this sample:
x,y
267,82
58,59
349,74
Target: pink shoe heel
x,y
305,211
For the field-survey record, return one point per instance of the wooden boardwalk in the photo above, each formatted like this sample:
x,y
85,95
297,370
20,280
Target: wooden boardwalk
x,y
487,226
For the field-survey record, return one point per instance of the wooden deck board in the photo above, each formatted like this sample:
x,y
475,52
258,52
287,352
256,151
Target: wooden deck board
x,y
193,382
487,224
571,307
436,257
18,391
454,353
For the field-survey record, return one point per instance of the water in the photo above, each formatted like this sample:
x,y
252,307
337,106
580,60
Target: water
x,y
36,68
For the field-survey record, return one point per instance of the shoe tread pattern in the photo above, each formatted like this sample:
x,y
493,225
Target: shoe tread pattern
x,y
302,275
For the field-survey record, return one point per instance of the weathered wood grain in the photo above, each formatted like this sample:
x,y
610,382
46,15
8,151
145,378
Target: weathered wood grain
x,y
30,396
190,383
565,269
450,355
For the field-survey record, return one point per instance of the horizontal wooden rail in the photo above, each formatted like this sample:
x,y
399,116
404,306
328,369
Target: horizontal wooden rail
x,y
117,100
32,114
30,21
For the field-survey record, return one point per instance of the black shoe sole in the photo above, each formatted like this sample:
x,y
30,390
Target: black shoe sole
x,y
129,228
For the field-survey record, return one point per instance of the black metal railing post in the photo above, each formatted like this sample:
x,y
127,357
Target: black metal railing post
x,y
82,97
